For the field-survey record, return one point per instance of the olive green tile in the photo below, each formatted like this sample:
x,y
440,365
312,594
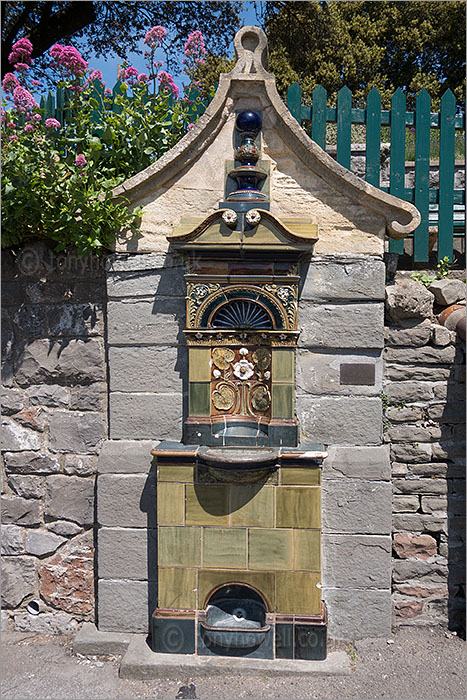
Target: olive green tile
x,y
199,369
283,365
224,547
252,505
301,475
307,550
179,546
177,588
199,397
207,504
296,592
183,474
298,506
262,581
170,504
282,400
270,549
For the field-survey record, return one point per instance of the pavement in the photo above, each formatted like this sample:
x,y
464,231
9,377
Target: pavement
x,y
412,664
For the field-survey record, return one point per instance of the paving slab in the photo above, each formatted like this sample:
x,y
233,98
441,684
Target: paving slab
x,y
91,641
141,663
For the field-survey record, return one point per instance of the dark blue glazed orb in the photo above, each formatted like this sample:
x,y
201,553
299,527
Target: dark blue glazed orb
x,y
249,121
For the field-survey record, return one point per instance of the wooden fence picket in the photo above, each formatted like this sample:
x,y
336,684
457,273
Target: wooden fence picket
x,y
422,173
446,175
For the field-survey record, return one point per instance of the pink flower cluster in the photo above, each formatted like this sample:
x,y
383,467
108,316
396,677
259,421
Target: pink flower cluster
x,y
24,101
68,60
132,76
95,75
167,83
9,83
195,48
52,123
155,36
20,57
80,161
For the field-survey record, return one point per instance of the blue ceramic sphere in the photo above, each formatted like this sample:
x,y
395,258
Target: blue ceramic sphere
x,y
249,121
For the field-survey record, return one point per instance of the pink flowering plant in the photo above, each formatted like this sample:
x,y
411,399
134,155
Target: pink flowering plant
x,y
59,169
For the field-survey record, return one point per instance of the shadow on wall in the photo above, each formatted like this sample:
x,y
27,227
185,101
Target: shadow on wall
x,y
148,505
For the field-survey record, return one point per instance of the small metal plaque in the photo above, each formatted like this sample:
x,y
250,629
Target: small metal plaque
x,y
357,373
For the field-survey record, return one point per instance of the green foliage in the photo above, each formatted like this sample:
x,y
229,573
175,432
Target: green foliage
x,y
207,75
386,45
424,278
443,270
444,267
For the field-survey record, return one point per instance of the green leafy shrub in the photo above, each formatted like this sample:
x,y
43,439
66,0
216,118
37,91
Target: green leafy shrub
x,y
58,175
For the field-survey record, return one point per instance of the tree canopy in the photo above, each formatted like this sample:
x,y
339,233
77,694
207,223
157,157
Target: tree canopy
x,y
114,27
386,45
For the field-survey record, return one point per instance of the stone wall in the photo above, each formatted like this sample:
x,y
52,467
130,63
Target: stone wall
x,y
424,399
54,408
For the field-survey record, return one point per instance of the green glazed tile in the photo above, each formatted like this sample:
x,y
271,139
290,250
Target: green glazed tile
x,y
298,507
282,400
262,581
283,365
170,504
179,546
177,588
300,475
199,397
199,369
207,504
182,474
270,549
252,506
224,547
296,592
307,550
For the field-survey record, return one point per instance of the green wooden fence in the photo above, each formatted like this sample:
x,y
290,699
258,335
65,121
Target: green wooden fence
x,y
443,206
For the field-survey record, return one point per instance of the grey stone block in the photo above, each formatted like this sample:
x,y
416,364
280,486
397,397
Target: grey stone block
x,y
126,500
90,641
434,504
12,401
363,507
341,420
159,368
30,321
74,320
410,391
405,504
91,397
341,326
46,623
126,456
76,432
64,527
357,561
30,463
124,553
425,486
159,322
70,498
442,336
421,356
449,449
356,614
347,278
417,336
358,463
449,391
123,606
20,511
418,522
396,372
40,543
123,262
79,465
26,486
320,373
17,438
12,540
156,282
447,291
409,433
146,416
452,412
52,395
404,414
423,571
18,580
46,362
411,453
408,299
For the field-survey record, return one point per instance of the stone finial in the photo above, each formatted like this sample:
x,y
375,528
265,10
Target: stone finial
x,y
251,49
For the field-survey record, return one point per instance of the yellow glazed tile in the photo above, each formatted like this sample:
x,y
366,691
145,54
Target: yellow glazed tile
x,y
207,504
300,475
307,550
282,400
170,504
252,506
182,474
296,592
199,398
198,363
224,547
177,588
283,365
262,581
298,507
179,546
270,549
